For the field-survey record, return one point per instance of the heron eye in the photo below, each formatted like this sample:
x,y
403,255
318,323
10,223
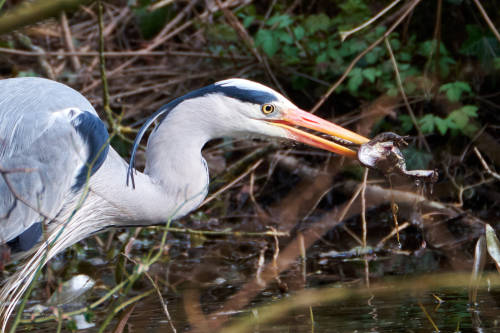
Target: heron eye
x,y
267,108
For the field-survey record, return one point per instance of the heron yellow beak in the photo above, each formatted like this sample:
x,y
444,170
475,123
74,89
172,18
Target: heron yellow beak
x,y
296,117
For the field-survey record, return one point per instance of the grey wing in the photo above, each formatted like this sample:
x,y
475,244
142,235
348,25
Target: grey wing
x,y
51,140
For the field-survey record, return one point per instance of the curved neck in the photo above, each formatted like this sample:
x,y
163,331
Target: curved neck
x,y
175,180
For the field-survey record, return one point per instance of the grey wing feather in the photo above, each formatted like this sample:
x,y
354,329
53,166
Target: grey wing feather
x,y
43,149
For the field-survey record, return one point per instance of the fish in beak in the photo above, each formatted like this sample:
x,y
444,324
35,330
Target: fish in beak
x,y
341,138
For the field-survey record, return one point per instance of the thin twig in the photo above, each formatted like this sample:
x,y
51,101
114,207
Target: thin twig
x,y
429,318
487,19
352,234
393,232
68,40
367,271
102,62
160,297
269,233
405,98
231,184
121,54
364,228
233,21
345,34
42,60
363,207
485,165
437,35
159,4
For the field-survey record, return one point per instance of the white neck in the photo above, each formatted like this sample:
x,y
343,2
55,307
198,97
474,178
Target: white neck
x,y
175,180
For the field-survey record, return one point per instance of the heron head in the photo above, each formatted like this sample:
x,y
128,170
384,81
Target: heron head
x,y
257,109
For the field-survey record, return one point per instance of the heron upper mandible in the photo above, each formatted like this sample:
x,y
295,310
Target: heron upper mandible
x,y
61,182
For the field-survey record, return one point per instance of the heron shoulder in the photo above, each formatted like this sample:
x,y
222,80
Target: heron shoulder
x,y
52,132
95,136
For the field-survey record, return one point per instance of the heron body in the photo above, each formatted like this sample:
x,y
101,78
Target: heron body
x,y
60,176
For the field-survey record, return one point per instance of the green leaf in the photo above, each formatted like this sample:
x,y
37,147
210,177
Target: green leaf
x,y
267,41
459,118
410,88
371,57
481,44
470,110
404,56
283,36
248,20
333,53
395,44
371,73
444,65
470,129
282,21
355,80
454,90
441,124
27,74
426,48
299,32
315,23
427,123
406,123
392,91
150,23
380,30
351,7
291,53
321,58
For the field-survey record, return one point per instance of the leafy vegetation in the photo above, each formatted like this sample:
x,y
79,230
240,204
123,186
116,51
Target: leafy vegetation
x,y
309,45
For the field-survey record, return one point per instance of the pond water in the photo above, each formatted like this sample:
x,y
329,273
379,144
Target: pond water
x,y
398,313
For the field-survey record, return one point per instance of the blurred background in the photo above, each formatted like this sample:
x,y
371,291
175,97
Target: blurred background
x,y
427,69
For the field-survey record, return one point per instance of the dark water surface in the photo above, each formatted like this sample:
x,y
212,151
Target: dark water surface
x,y
397,313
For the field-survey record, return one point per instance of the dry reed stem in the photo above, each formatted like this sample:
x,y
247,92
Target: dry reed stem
x,y
487,19
346,34
485,165
405,98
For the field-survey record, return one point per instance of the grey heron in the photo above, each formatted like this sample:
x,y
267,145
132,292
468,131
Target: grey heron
x,y
61,182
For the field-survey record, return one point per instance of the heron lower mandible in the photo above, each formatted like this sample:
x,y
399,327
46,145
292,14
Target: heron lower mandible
x,y
59,175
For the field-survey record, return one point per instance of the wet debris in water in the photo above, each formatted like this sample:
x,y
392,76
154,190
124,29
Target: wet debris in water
x,y
383,153
71,290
